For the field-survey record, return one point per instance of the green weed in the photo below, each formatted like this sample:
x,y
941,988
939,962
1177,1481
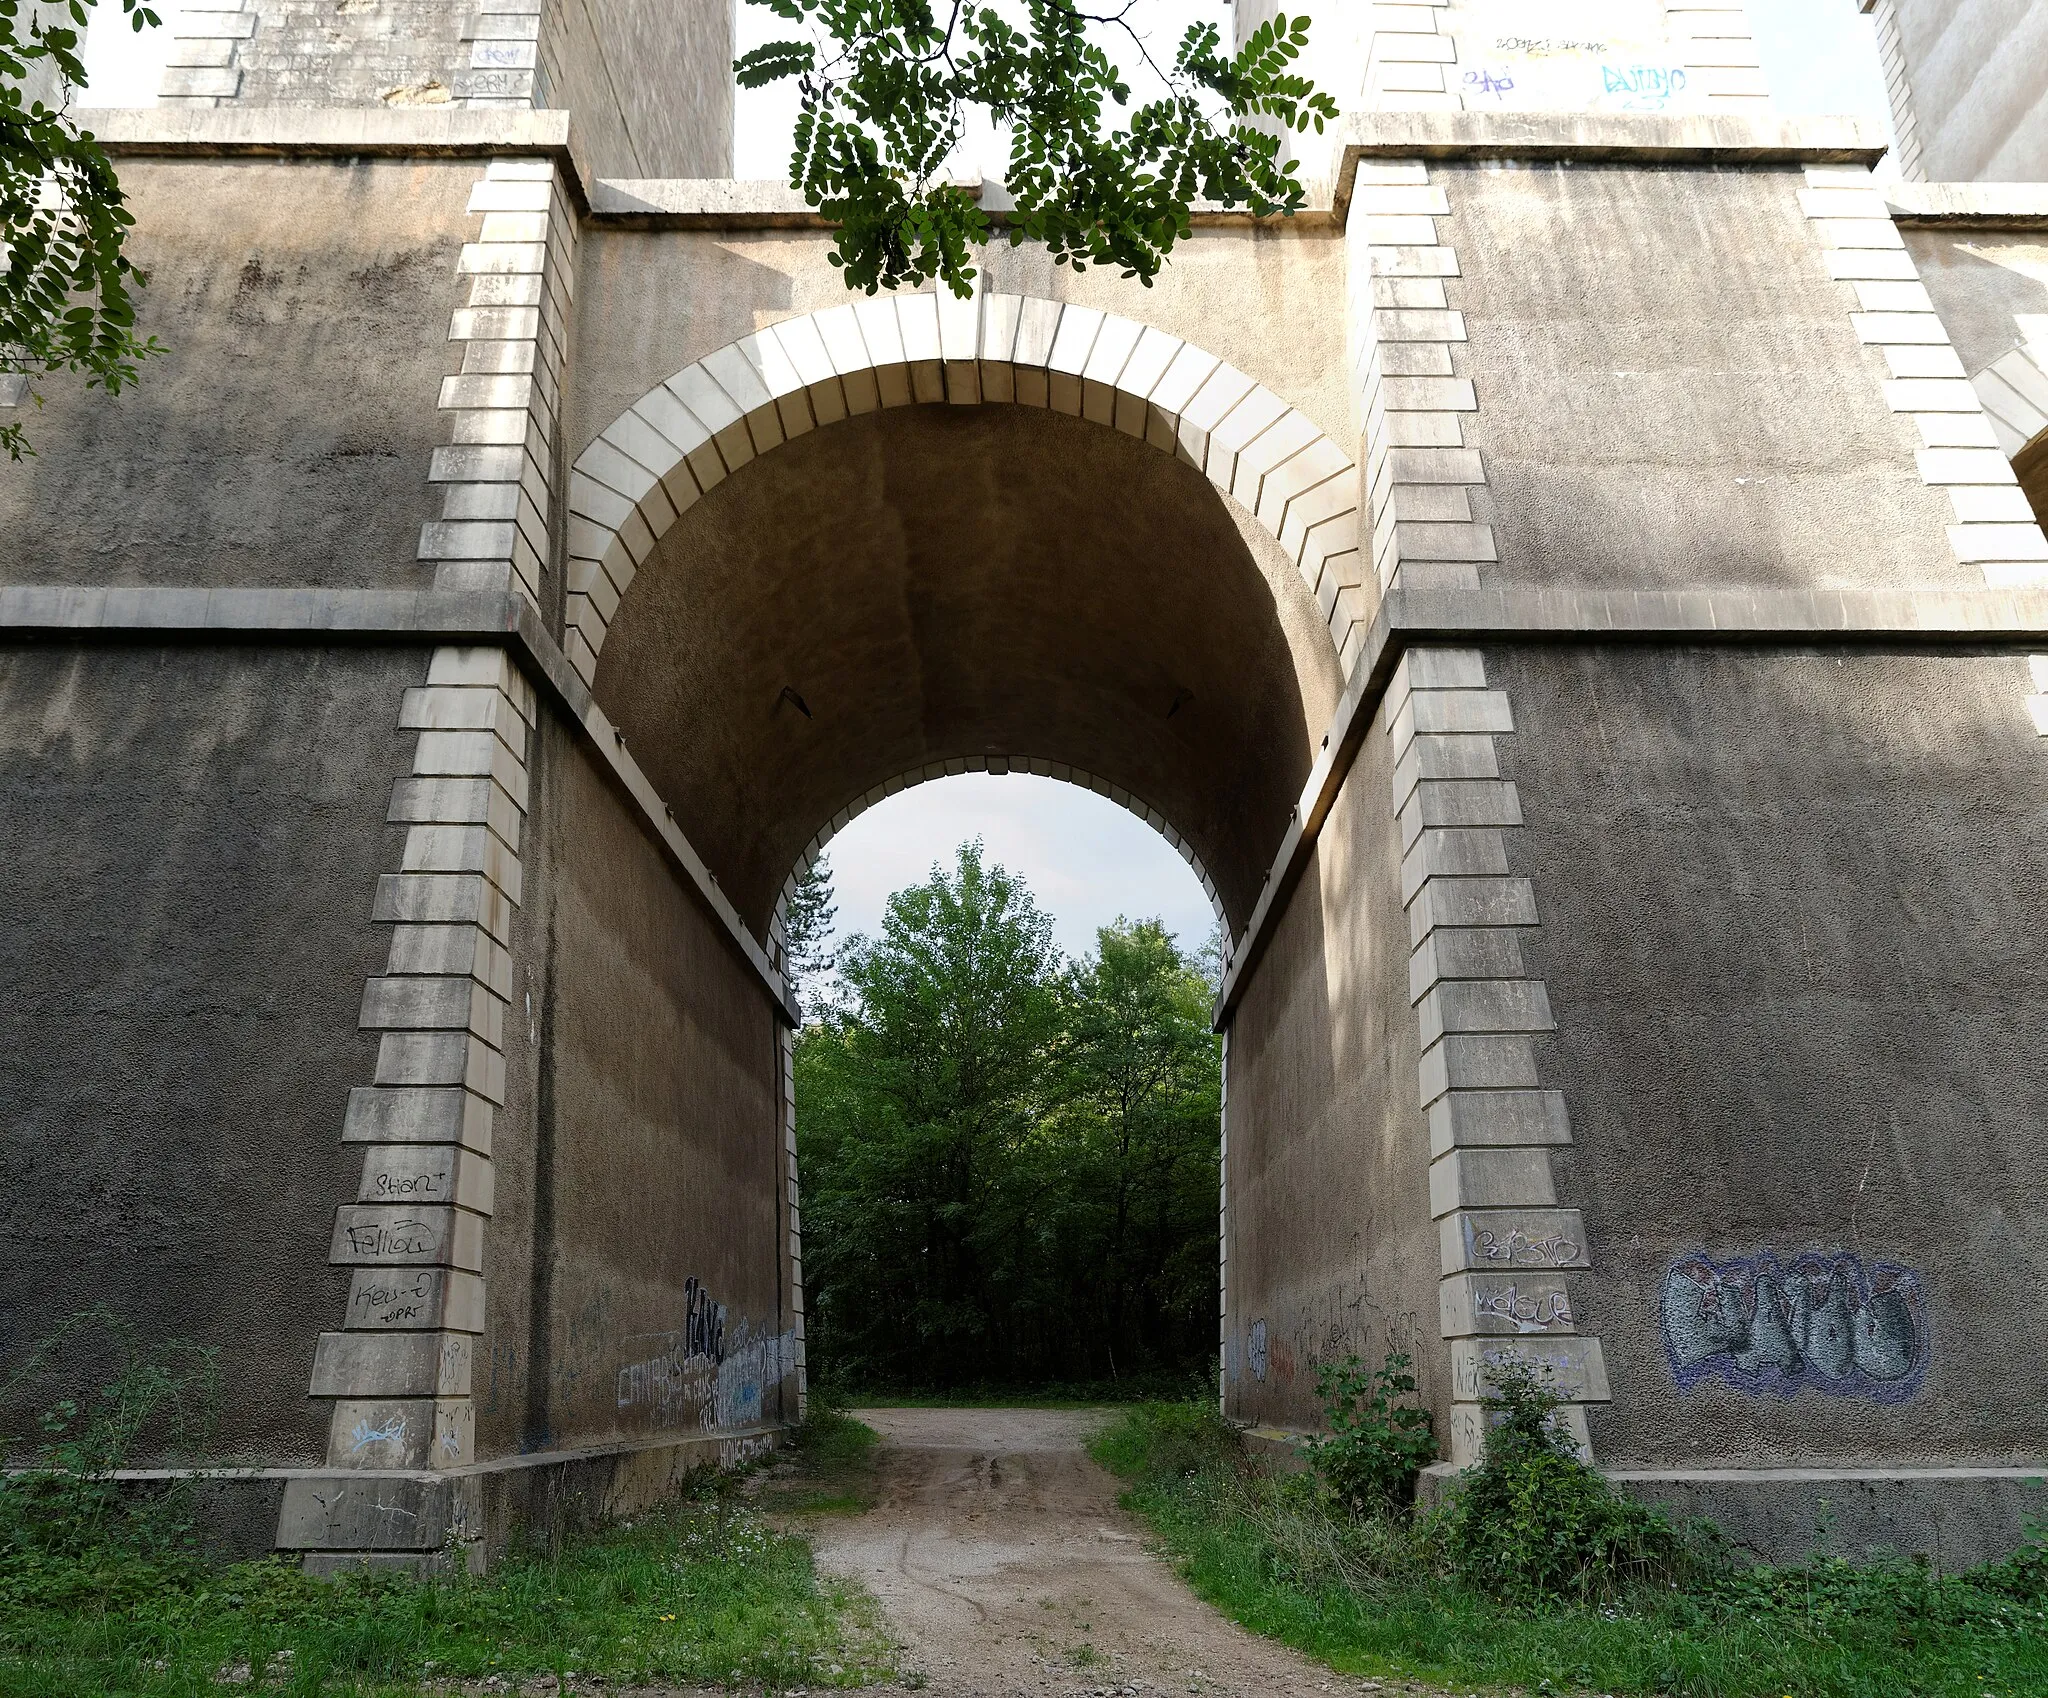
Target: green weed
x,y
1381,1596
1377,1444
103,1589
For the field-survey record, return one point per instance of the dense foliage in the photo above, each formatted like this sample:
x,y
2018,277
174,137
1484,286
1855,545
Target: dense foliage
x,y
1397,1594
885,87
1534,1521
807,922
65,301
1008,1160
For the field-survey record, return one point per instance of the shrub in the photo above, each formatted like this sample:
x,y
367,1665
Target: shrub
x,y
1532,1521
67,1524
1376,1446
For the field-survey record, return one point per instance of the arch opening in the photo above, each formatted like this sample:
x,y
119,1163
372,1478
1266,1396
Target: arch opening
x,y
931,588
997,766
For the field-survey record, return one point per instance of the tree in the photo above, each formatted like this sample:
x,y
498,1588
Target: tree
x,y
1009,1163
807,925
884,87
1144,1094
912,1098
65,301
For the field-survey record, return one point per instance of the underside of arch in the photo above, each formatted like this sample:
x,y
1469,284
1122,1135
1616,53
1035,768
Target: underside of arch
x,y
687,435
999,765
2014,390
932,586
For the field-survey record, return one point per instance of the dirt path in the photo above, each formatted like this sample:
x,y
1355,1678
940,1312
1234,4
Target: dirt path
x,y
1001,1558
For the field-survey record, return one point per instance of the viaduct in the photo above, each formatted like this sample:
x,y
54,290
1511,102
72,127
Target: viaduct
x,y
1594,554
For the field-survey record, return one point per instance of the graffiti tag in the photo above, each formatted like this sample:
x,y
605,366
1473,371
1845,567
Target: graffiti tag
x,y
1825,1323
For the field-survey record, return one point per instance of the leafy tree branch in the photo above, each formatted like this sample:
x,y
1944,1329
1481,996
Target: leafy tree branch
x,y
884,90
65,293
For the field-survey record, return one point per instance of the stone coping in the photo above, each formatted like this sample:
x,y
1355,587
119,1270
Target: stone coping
x,y
437,617
468,1470
702,203
1645,138
2013,205
739,203
410,132
1998,621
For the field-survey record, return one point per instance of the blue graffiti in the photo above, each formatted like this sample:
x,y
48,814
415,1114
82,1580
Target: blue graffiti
x,y
1825,1324
1647,86
1489,81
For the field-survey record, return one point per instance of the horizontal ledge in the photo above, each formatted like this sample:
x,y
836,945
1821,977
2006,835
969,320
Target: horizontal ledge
x,y
1731,613
729,203
48,612
1875,1475
1640,137
1990,620
2021,206
434,1476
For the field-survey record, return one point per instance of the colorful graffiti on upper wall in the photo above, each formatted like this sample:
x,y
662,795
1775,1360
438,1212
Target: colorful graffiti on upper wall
x,y
1824,1323
1569,56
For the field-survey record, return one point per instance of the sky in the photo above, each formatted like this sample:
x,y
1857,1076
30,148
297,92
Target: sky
x,y
1088,860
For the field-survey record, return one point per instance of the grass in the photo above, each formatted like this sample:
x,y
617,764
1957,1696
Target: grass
x,y
1366,1599
828,1471
703,1592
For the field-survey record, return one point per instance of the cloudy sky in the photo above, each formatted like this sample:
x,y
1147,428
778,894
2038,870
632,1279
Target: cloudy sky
x,y
1088,860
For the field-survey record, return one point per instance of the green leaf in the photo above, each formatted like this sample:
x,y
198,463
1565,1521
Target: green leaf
x,y
885,87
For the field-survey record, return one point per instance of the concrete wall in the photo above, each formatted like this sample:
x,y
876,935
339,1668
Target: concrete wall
x,y
284,436
1268,300
1974,76
1788,910
650,83
352,52
1990,287
1671,392
654,1170
1330,1248
192,840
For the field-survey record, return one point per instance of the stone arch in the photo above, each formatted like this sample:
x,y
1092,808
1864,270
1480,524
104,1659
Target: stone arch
x,y
691,432
934,770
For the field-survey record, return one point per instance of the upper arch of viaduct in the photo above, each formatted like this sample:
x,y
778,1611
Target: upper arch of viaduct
x,y
1142,569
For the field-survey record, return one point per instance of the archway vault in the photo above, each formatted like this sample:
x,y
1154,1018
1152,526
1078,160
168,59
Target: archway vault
x,y
1038,767
1139,568
689,433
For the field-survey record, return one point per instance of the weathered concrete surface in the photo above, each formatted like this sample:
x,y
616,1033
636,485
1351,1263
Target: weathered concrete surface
x,y
1957,1519
1975,76
192,839
1004,1565
1269,300
1057,590
1671,392
317,53
1329,1247
284,437
655,1162
1788,907
650,82
1986,284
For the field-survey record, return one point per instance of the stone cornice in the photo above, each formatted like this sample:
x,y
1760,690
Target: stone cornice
x,y
1625,137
